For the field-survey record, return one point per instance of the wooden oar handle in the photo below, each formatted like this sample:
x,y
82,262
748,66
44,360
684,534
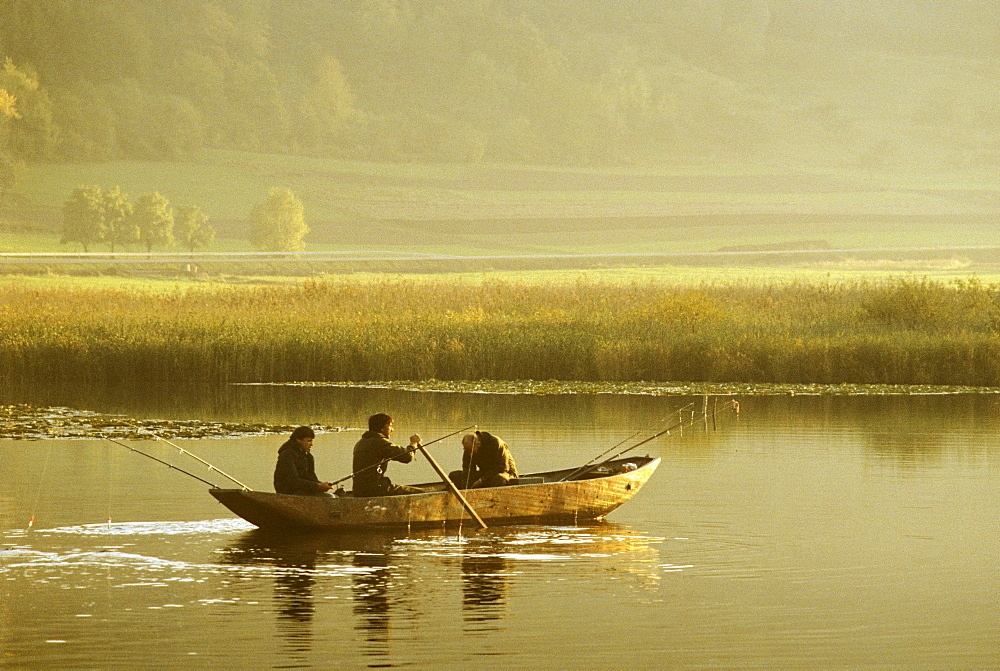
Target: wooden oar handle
x,y
451,486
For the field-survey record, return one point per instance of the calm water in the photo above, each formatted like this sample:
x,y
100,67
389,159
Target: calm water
x,y
811,532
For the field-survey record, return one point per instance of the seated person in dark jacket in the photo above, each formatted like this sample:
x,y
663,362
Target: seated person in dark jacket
x,y
295,472
372,455
486,462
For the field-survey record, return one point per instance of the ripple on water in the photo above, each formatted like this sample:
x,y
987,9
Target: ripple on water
x,y
200,527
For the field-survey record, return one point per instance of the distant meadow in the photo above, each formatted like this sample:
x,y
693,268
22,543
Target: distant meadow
x,y
880,331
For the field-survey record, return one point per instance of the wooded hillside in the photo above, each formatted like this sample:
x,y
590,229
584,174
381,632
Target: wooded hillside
x,y
541,81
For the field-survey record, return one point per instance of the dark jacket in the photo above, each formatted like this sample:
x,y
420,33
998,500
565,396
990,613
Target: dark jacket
x,y
492,458
295,472
372,449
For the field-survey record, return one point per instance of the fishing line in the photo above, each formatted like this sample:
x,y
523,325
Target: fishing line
x,y
468,474
193,456
111,476
109,460
41,485
616,446
679,425
167,464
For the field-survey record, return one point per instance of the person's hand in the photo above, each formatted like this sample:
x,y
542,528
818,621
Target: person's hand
x,y
414,440
324,486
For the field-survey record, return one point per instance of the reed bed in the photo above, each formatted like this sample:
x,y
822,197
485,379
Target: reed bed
x,y
885,332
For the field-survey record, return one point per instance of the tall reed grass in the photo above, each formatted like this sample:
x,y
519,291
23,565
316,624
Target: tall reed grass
x,y
891,332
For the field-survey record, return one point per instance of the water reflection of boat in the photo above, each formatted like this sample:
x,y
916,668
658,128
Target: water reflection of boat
x,y
303,560
394,577
484,587
537,498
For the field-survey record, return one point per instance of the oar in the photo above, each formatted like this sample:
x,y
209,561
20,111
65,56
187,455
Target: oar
x,y
409,451
168,465
452,487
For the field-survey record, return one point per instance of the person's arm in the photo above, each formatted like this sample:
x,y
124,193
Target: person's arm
x,y
318,486
495,459
509,467
287,473
491,459
403,455
469,470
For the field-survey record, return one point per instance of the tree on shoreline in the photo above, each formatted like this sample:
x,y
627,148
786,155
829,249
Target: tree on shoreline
x,y
121,228
154,219
277,224
83,217
92,215
191,228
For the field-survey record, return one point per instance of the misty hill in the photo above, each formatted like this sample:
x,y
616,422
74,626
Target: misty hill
x,y
807,82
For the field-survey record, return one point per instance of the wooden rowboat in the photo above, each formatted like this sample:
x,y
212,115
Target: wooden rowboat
x,y
532,499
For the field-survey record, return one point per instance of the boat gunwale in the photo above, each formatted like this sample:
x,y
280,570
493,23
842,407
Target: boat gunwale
x,y
440,487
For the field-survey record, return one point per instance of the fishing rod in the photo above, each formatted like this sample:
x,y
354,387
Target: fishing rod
x,y
409,451
679,425
168,465
614,447
195,457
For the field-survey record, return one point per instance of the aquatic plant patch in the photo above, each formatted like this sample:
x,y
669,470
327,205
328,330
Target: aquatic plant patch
x,y
28,422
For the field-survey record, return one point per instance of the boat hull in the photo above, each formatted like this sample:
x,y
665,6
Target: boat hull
x,y
547,501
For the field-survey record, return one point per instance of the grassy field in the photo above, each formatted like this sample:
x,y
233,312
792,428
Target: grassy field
x,y
602,328
674,276
498,209
923,318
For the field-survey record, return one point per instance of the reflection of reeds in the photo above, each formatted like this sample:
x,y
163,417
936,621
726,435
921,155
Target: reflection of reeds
x,y
896,332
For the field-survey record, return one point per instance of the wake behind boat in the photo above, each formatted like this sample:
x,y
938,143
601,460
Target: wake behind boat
x,y
568,495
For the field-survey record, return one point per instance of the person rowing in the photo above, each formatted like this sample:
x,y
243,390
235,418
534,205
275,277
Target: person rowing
x,y
372,455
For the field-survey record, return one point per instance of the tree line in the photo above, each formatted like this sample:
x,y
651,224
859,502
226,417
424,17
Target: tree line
x,y
92,215
543,81
452,80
